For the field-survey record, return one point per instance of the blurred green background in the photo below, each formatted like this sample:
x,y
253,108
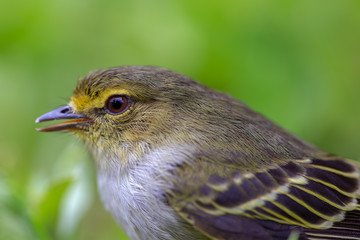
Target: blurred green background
x,y
297,62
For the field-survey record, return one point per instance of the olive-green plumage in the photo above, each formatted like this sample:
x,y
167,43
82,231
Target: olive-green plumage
x,y
177,160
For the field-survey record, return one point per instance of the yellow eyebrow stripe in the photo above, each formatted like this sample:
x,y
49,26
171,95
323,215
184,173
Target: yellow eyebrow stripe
x,y
82,102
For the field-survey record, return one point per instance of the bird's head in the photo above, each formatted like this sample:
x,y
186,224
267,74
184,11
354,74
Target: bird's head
x,y
131,105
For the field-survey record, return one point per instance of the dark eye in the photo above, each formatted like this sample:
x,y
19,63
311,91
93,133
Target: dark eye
x,y
116,104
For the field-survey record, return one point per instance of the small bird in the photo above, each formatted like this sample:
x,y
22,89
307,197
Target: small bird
x,y
177,160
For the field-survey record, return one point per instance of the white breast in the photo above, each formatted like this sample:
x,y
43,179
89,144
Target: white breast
x,y
134,194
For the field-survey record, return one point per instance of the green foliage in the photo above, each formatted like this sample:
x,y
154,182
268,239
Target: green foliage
x,y
297,62
15,223
48,207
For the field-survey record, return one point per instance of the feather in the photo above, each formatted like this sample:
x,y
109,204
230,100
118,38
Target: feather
x,y
318,197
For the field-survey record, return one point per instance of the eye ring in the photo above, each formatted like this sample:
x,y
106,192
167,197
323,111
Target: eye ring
x,y
117,104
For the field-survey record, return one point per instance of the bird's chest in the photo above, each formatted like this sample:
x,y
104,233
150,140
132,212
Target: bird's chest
x,y
135,195
136,200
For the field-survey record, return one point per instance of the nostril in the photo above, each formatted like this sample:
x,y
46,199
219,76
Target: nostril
x,y
65,110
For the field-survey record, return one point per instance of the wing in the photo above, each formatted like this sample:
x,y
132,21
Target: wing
x,y
271,203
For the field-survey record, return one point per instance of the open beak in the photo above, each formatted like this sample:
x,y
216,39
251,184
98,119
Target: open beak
x,y
76,122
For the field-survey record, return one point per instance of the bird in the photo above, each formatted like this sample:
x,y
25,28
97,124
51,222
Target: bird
x,y
177,160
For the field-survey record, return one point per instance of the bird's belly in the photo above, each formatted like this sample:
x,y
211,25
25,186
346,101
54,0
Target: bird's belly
x,y
138,207
135,195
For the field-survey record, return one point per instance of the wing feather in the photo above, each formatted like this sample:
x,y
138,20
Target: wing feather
x,y
308,193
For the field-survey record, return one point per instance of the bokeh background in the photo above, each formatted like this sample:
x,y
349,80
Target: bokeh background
x,y
297,62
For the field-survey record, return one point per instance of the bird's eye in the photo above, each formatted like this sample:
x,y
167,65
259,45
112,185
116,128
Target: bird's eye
x,y
116,104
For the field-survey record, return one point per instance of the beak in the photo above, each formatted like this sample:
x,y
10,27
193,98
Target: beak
x,y
76,123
